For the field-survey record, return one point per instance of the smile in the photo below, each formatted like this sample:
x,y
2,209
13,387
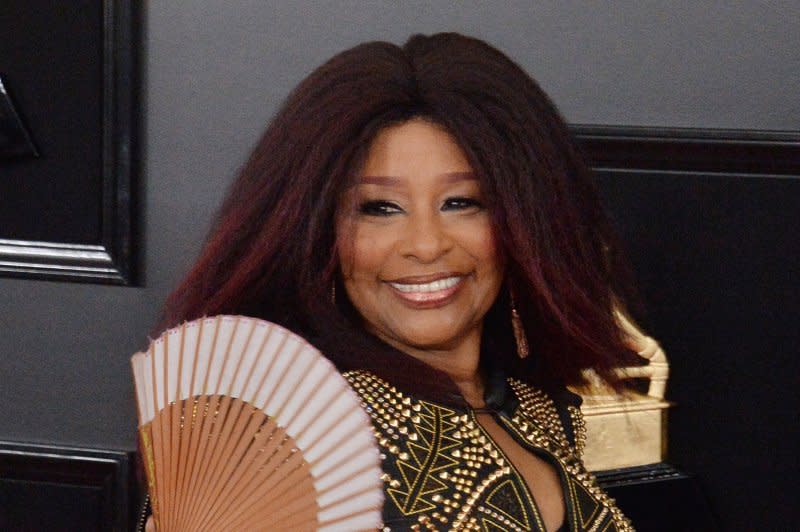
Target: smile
x,y
434,286
430,294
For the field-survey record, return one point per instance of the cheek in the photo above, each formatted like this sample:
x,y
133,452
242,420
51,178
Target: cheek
x,y
345,252
368,258
361,254
490,263
345,244
483,247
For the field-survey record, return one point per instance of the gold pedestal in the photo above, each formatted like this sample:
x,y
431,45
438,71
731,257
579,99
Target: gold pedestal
x,y
624,432
628,430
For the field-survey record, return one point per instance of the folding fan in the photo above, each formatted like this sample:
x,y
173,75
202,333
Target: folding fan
x,y
245,426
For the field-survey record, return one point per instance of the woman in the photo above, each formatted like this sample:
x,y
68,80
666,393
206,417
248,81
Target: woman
x,y
421,214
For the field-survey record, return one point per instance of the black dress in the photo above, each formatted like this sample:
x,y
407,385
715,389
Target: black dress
x,y
442,470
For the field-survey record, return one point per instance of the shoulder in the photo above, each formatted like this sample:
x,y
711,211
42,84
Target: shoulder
x,y
378,397
364,382
557,412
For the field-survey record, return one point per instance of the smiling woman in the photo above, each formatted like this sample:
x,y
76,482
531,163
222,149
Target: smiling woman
x,y
416,248
422,216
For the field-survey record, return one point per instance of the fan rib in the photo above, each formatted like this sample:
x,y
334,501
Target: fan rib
x,y
202,425
285,396
267,452
175,433
224,335
164,426
156,443
306,426
264,475
333,498
189,417
279,488
332,476
244,426
337,513
232,436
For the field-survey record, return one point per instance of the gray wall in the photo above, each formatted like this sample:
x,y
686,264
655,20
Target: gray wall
x,y
214,72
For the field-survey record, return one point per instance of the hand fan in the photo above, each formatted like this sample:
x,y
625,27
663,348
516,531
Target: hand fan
x,y
245,426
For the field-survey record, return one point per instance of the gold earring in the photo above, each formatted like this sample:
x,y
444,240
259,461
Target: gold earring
x,y
519,331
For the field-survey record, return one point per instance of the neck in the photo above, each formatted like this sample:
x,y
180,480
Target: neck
x,y
460,362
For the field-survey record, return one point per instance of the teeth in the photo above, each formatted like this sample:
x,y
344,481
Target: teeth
x,y
435,286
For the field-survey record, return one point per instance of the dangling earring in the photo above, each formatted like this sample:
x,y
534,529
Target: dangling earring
x,y
519,331
333,291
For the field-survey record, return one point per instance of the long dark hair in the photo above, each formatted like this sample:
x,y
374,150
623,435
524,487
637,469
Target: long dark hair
x,y
272,251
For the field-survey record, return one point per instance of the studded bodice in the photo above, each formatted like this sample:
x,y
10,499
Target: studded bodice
x,y
442,470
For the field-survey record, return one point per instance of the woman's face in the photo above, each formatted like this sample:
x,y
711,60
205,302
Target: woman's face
x,y
416,250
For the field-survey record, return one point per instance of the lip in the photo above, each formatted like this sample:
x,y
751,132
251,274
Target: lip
x,y
428,278
426,299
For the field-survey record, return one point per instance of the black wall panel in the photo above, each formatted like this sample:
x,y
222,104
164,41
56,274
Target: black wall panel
x,y
710,222
54,488
717,256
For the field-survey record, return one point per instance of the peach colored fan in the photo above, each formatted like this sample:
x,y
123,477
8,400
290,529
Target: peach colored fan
x,y
245,426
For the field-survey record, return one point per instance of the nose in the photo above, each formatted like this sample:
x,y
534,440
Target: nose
x,y
425,238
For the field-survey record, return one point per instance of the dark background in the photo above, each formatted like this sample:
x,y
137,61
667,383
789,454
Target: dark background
x,y
717,260
716,252
53,72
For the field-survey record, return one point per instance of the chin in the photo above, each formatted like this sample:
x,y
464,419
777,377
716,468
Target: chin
x,y
421,334
428,340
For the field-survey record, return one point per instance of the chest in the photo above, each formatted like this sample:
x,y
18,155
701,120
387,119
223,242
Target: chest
x,y
443,471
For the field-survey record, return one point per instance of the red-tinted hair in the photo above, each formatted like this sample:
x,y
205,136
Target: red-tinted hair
x,y
272,252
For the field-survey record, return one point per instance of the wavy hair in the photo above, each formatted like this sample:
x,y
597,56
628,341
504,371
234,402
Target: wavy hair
x,y
272,251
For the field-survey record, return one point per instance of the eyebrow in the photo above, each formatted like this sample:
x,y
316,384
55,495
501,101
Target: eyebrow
x,y
386,180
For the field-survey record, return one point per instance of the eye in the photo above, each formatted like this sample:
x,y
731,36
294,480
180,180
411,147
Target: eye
x,y
379,208
461,203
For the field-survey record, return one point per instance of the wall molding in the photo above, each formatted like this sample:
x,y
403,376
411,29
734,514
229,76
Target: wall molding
x,y
107,476
101,489
110,259
723,151
51,260
50,487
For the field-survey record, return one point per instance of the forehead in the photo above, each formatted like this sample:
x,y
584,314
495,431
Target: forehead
x,y
416,147
391,181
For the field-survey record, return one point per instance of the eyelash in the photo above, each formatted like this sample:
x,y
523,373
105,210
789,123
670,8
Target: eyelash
x,y
388,208
378,208
463,203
